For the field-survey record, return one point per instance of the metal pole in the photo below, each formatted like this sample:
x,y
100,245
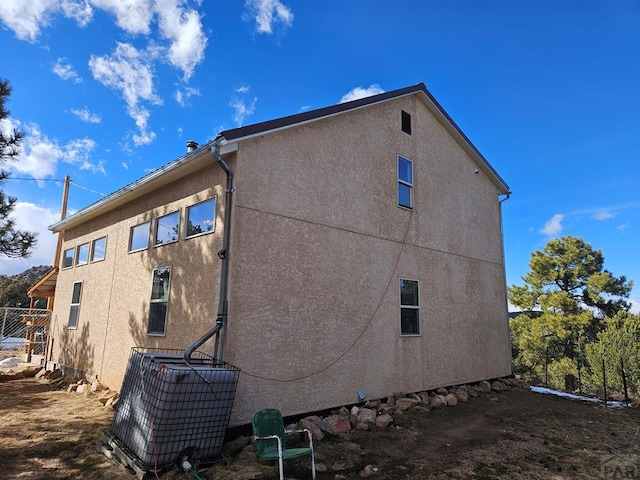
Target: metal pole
x,y
579,367
624,382
546,366
4,320
604,381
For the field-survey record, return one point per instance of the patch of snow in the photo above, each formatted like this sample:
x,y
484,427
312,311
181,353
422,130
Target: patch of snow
x,y
12,343
9,362
573,396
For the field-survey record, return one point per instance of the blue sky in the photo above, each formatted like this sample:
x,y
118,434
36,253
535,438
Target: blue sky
x,y
548,91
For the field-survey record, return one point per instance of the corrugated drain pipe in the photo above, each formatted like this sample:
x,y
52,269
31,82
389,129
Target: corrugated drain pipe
x,y
219,330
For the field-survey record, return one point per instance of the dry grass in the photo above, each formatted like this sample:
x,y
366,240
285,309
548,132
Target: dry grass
x,y
46,433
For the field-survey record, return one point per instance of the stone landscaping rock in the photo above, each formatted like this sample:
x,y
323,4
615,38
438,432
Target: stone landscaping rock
x,y
338,424
424,396
452,400
310,424
472,392
366,415
484,387
438,401
383,420
498,386
406,403
442,391
461,394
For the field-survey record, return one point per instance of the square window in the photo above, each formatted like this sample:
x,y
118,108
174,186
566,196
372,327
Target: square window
x,y
405,182
74,310
167,228
139,238
67,257
409,307
83,254
158,306
98,249
201,218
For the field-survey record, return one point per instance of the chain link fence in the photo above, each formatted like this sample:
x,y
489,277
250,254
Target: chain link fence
x,y
23,332
608,376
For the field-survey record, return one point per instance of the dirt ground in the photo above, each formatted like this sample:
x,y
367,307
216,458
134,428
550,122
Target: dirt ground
x,y
46,433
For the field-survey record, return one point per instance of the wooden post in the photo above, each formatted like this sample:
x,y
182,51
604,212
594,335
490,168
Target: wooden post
x,y
63,214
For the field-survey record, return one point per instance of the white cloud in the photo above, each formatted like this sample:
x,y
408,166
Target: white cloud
x,y
553,226
28,17
80,11
133,16
603,215
268,13
65,71
33,218
184,29
183,96
623,226
130,72
40,155
360,92
242,110
635,305
242,89
86,116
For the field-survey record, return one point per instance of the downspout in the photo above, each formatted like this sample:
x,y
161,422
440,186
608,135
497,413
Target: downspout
x,y
504,273
219,330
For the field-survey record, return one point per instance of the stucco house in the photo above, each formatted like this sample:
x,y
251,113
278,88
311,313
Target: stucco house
x,y
363,252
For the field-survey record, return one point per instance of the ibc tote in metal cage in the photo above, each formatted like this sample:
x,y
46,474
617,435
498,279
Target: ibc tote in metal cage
x,y
170,408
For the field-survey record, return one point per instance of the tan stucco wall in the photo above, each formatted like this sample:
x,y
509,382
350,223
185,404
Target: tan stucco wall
x,y
314,286
317,247
113,314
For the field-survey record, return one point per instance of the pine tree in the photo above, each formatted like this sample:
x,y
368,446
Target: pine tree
x,y
13,243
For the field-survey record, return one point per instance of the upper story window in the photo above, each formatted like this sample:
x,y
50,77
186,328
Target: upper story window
x,y
83,254
157,324
139,237
201,218
98,249
167,228
409,307
67,257
406,122
74,310
405,182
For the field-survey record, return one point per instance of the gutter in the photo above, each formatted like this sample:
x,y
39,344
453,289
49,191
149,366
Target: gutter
x,y
219,330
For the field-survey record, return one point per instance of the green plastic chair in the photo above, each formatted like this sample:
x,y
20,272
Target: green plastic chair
x,y
270,438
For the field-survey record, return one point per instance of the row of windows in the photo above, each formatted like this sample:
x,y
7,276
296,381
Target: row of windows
x,y
159,303
85,253
199,219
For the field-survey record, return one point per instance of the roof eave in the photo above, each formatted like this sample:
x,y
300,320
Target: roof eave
x,y
153,180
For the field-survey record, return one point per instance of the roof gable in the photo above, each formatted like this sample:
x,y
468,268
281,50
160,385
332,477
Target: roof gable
x,y
187,163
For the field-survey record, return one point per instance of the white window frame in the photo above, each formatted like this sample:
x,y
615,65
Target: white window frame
x,y
75,307
83,247
409,307
156,241
131,230
405,183
93,258
155,301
